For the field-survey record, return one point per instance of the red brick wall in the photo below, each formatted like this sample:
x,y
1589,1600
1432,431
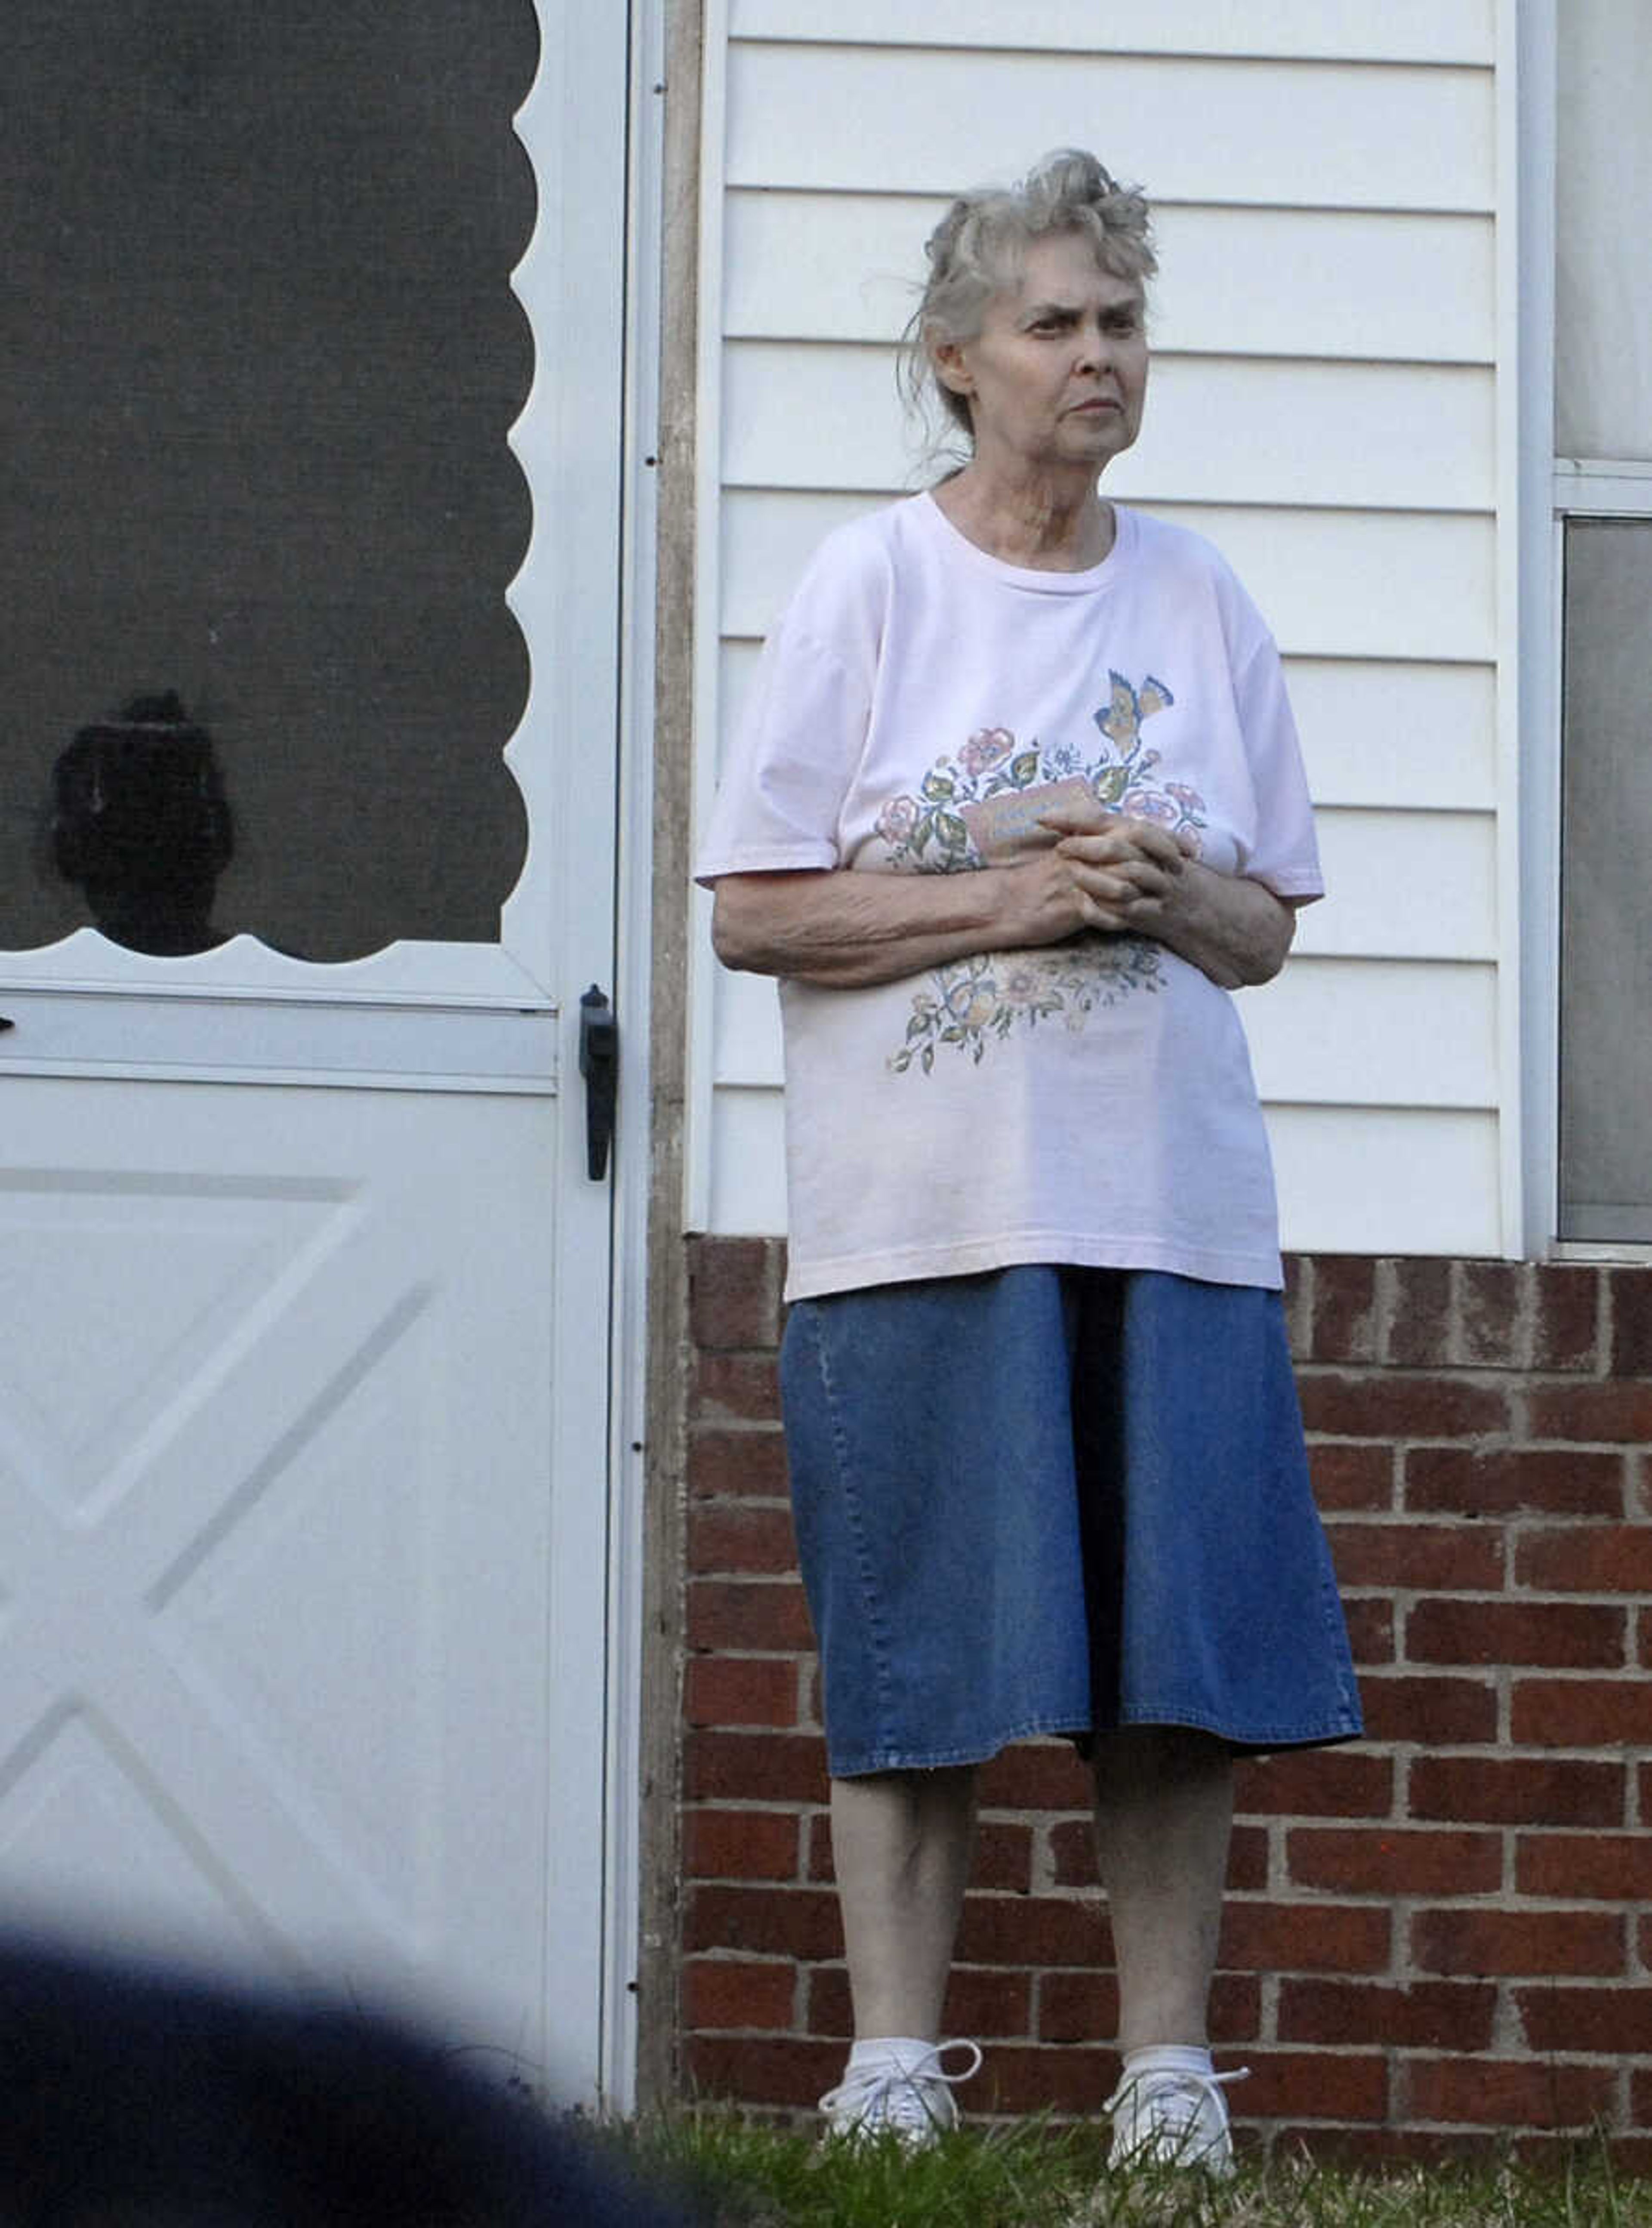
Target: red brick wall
x,y
1434,1937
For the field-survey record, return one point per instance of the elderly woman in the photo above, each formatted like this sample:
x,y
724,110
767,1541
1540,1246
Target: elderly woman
x,y
1016,807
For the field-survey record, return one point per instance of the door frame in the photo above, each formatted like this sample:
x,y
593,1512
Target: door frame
x,y
673,289
579,499
640,1809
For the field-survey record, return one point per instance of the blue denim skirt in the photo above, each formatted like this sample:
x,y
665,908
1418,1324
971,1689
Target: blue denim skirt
x,y
1053,1500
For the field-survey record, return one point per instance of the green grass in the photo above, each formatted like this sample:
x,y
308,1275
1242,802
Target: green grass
x,y
739,2175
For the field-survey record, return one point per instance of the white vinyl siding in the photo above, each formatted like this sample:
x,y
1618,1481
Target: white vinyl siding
x,y
1425,437
1441,1021
817,266
1398,586
1314,135
1324,404
1345,30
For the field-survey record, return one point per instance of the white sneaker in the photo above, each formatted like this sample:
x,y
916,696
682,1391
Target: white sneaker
x,y
911,2101
1170,2116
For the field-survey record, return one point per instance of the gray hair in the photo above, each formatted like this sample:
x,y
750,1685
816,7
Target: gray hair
x,y
977,250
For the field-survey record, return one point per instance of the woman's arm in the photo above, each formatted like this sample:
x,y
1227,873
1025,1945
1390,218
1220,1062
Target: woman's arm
x,y
847,930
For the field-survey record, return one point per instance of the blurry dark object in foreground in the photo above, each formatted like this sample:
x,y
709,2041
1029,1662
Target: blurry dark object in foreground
x,y
134,2099
140,818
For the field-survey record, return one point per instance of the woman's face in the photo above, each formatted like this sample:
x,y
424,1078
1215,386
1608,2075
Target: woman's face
x,y
1058,374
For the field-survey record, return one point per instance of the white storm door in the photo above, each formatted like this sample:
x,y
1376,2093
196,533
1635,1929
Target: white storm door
x,y
309,564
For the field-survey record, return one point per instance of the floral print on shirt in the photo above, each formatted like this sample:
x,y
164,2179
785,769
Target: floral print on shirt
x,y
972,1002
929,831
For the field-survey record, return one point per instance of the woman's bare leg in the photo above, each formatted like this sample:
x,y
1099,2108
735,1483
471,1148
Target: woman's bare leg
x,y
901,1844
1164,1811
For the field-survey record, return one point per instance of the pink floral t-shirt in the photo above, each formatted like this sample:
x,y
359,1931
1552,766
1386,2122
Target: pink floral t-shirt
x,y
918,707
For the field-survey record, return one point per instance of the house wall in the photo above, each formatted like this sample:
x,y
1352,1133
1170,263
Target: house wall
x,y
1324,404
1435,1938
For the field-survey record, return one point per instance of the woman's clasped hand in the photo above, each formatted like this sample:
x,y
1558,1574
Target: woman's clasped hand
x,y
1130,875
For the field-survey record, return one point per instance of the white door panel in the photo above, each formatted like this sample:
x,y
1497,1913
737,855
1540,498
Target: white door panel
x,y
275,1647
304,1288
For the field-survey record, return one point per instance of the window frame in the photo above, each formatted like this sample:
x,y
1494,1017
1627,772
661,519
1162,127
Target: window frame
x,y
1543,491
1582,488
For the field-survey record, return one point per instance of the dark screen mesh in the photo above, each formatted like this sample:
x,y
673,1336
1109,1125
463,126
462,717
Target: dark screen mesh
x,y
259,356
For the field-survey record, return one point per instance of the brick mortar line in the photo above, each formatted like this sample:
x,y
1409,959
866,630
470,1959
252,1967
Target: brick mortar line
x,y
1405,1598
1408,2054
743,1574
737,1503
1516,1903
1455,1521
720,1654
778,1805
1466,1752
1409,1596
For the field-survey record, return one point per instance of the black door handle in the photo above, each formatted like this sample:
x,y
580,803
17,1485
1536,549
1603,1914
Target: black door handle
x,y
599,1065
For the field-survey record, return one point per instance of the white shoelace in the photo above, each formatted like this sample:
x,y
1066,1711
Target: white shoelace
x,y
912,2102
1174,2115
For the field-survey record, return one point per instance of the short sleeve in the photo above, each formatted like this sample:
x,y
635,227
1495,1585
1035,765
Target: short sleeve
x,y
803,731
1285,855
